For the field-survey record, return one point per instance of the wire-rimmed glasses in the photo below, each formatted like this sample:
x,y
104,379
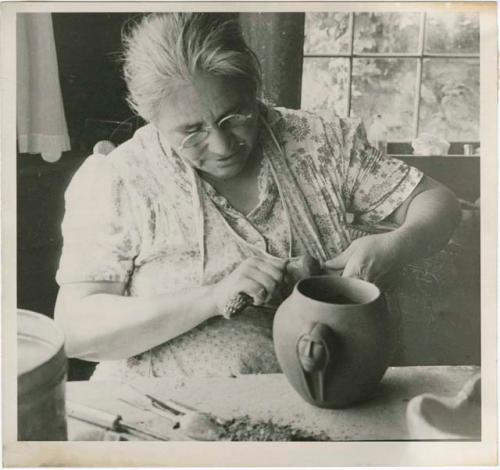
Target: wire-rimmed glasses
x,y
230,121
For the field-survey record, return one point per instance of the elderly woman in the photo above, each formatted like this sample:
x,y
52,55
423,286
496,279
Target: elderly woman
x,y
214,197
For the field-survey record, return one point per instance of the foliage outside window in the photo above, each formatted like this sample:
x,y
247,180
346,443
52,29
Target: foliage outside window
x,y
418,71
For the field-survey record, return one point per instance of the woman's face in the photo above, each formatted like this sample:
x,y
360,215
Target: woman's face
x,y
205,102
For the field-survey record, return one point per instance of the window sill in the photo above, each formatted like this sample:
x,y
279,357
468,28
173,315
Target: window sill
x,y
460,173
456,149
396,155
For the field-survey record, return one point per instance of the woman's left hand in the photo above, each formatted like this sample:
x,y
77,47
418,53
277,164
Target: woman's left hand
x,y
372,258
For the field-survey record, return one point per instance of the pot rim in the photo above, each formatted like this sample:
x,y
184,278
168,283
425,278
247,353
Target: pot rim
x,y
38,328
375,295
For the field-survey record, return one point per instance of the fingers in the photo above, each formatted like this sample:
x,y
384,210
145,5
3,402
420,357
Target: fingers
x,y
354,270
260,277
371,258
274,270
257,276
256,290
366,272
340,261
360,267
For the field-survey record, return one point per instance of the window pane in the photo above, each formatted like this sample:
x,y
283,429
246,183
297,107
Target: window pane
x,y
452,32
386,32
449,103
326,33
385,87
324,85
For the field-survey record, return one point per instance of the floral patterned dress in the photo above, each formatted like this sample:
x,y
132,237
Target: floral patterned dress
x,y
140,215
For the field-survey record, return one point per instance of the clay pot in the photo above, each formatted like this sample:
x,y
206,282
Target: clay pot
x,y
334,339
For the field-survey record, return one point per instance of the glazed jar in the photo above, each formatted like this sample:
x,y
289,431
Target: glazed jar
x,y
334,339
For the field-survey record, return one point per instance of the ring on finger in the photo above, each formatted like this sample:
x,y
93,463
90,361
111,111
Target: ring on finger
x,y
262,293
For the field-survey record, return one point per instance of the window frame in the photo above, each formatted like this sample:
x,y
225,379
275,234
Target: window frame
x,y
420,56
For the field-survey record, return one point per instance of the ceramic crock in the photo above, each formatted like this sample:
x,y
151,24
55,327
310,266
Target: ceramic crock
x,y
334,339
41,379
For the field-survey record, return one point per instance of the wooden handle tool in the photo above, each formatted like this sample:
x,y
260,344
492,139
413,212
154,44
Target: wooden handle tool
x,y
108,421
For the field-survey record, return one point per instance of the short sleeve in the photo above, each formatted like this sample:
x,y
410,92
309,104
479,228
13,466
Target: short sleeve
x,y
100,238
374,185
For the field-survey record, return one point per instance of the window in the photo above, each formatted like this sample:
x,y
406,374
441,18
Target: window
x,y
418,71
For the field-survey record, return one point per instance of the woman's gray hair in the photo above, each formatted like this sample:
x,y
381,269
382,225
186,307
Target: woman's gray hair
x,y
163,48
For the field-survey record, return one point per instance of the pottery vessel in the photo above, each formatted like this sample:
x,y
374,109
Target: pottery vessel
x,y
431,416
41,379
334,339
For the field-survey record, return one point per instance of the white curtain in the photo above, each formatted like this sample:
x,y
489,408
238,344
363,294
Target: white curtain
x,y
41,124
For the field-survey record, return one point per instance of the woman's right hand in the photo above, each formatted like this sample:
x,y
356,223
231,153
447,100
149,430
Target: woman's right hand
x,y
257,276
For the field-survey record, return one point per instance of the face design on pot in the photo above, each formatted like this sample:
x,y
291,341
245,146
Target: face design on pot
x,y
312,348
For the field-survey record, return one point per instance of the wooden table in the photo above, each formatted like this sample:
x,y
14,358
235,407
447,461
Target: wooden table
x,y
270,397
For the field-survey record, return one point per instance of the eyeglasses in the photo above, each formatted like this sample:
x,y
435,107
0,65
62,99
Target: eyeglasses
x,y
227,122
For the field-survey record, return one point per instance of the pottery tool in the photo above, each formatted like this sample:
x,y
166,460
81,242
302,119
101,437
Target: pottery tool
x,y
195,424
236,304
192,423
302,267
109,421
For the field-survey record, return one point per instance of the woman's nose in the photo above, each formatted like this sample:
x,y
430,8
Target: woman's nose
x,y
221,142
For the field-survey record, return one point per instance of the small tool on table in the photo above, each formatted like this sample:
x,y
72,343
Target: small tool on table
x,y
192,423
109,421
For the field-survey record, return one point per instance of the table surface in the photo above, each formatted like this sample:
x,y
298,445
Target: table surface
x,y
270,397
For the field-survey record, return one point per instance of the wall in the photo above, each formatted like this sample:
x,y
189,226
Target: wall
x,y
88,48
